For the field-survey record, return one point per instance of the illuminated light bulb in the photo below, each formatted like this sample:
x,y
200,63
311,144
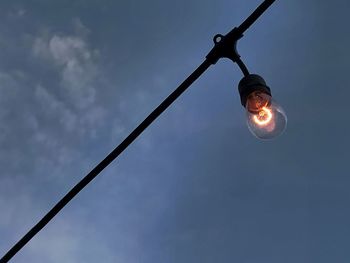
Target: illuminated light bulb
x,y
265,118
266,121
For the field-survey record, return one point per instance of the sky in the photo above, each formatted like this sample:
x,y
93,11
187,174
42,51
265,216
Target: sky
x,y
77,76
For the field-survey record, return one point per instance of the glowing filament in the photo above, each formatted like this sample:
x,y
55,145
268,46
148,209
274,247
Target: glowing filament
x,y
263,117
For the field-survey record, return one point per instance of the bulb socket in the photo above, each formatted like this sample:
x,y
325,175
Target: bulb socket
x,y
249,84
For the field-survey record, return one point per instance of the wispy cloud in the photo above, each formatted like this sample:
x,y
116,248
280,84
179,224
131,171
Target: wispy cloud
x,y
32,136
75,63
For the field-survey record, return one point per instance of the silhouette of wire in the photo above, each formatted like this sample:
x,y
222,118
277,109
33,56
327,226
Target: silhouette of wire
x,y
128,140
105,162
255,15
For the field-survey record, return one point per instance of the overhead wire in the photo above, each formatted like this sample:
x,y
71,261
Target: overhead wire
x,y
127,141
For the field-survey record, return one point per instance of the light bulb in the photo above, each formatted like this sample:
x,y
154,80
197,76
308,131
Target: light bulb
x,y
265,118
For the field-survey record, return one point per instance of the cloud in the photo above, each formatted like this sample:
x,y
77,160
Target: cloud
x,y
53,106
60,241
17,13
43,125
76,64
57,112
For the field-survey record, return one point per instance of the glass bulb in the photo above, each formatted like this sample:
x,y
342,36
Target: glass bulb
x,y
265,118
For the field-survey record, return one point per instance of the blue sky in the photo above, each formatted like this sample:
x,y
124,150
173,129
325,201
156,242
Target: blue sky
x,y
77,76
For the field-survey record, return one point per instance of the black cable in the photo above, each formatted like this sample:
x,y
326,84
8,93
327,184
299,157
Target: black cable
x,y
105,162
242,66
255,15
129,139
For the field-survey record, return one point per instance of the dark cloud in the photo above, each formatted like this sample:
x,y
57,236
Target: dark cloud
x,y
77,76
